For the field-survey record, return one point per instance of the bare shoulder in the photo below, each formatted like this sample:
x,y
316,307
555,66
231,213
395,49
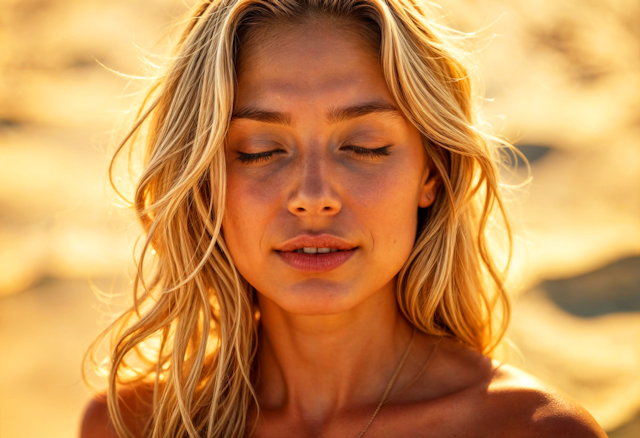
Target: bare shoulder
x,y
532,409
482,397
96,422
135,405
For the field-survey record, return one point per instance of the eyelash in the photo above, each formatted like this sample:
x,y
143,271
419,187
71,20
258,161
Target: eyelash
x,y
370,154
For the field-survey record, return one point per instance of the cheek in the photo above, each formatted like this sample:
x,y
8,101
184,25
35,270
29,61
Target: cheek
x,y
387,208
248,211
249,198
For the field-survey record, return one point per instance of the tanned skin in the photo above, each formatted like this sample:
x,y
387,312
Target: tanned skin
x,y
330,342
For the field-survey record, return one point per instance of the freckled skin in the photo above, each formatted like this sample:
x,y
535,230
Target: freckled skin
x,y
316,185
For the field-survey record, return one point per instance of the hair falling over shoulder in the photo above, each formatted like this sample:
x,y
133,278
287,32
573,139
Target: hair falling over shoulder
x,y
192,331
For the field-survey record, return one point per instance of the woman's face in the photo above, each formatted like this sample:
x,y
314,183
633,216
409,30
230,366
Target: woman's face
x,y
336,159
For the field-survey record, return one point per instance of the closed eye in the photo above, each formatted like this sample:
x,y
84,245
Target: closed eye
x,y
370,153
256,158
366,153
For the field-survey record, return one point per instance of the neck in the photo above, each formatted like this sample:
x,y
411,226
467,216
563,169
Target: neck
x,y
317,365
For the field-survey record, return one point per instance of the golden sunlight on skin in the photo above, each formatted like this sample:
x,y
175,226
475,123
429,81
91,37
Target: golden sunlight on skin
x,y
314,183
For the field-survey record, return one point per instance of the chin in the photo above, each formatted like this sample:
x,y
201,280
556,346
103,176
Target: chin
x,y
315,298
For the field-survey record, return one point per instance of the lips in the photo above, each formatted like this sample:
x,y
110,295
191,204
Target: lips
x,y
340,251
320,241
316,262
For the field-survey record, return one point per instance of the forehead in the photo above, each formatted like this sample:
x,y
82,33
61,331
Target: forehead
x,y
320,62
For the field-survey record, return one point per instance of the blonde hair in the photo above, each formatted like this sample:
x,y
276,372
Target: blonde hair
x,y
194,303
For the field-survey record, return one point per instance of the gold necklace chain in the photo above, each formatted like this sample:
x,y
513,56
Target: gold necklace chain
x,y
422,370
391,382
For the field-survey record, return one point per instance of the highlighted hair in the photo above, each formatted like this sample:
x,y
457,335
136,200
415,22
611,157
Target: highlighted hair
x,y
193,301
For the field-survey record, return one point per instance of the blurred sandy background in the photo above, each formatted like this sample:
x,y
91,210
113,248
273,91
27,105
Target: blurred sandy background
x,y
564,79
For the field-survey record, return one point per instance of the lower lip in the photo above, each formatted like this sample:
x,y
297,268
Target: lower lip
x,y
316,262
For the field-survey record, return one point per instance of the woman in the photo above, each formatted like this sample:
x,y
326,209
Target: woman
x,y
316,194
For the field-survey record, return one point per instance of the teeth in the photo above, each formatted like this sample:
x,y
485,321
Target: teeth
x,y
309,250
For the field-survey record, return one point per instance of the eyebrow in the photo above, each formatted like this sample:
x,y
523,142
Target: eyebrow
x,y
334,115
260,115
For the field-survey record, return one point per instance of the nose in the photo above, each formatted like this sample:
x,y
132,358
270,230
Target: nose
x,y
314,193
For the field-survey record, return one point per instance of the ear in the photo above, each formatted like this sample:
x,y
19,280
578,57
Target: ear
x,y
429,187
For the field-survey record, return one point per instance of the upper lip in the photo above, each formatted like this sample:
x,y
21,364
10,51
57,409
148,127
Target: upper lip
x,y
319,241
